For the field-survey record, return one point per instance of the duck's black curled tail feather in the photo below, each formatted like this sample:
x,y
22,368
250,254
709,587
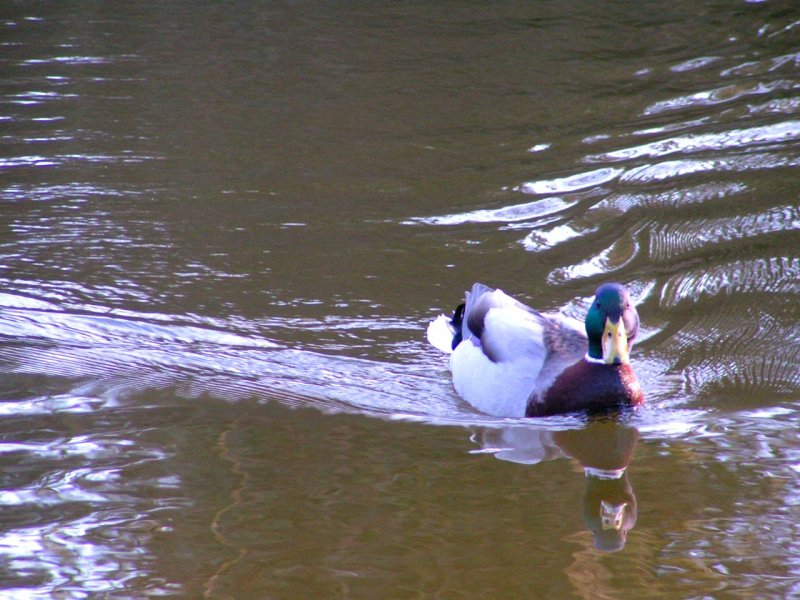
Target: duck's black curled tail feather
x,y
456,322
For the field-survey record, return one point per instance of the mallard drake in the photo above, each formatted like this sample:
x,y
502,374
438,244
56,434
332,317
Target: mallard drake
x,y
510,360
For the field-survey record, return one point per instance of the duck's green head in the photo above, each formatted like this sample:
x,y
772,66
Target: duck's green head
x,y
611,324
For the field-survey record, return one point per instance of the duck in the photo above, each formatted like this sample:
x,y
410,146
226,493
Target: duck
x,y
509,360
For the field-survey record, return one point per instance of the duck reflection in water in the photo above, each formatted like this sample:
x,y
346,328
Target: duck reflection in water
x,y
604,449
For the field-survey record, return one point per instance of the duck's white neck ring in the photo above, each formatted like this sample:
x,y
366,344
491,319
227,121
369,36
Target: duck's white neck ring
x,y
596,361
603,473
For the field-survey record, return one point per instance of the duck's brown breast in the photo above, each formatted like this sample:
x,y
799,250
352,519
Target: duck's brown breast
x,y
588,386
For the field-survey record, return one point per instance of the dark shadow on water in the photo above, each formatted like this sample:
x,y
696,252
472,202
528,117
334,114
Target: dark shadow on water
x,y
604,448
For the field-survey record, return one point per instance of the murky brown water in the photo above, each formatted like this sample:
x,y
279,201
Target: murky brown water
x,y
224,228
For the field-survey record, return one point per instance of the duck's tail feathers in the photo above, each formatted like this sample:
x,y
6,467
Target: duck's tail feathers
x,y
440,333
446,333
478,290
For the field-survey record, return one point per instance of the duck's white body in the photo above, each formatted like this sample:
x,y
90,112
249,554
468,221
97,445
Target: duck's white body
x,y
505,354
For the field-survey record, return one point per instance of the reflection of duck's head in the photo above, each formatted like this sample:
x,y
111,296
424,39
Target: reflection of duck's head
x,y
609,511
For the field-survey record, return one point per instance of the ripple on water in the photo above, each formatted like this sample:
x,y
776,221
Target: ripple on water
x,y
778,275
624,250
33,97
507,214
779,106
670,240
753,367
753,544
65,160
69,60
69,192
669,200
723,545
585,225
562,193
673,169
72,501
572,183
763,67
738,139
544,239
746,343
720,95
694,64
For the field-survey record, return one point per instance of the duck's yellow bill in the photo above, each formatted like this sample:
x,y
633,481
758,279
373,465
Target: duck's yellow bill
x,y
615,343
612,515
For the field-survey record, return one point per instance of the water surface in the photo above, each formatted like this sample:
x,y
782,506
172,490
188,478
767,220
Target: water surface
x,y
224,229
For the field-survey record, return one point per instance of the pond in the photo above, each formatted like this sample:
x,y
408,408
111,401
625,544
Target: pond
x,y
224,228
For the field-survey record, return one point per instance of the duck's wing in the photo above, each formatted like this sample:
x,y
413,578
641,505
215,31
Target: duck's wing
x,y
503,350
473,297
508,350
566,343
505,328
565,338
